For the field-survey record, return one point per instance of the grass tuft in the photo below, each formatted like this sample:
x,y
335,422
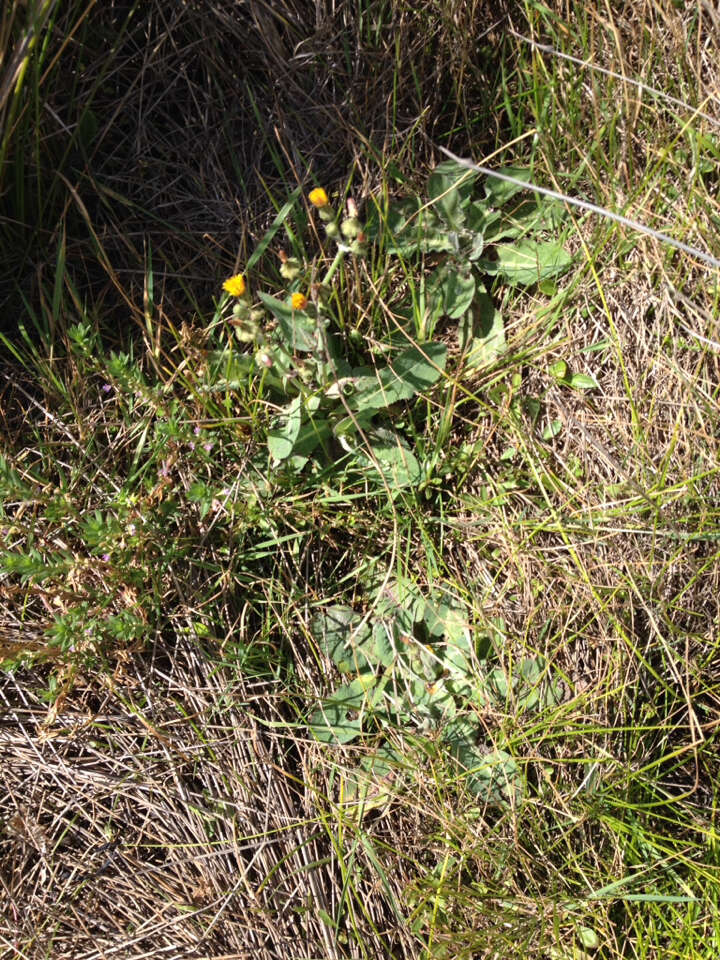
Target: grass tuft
x,y
166,785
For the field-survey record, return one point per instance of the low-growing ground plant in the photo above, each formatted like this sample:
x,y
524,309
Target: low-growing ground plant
x,y
417,665
333,402
336,407
370,608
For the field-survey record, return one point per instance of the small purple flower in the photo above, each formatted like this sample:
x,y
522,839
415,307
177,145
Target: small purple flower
x,y
164,471
106,387
207,446
197,431
131,529
105,557
191,445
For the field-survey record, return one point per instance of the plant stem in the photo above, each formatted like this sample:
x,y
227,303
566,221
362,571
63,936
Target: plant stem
x,y
332,269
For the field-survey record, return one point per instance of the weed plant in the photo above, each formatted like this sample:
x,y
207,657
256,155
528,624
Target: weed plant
x,y
367,605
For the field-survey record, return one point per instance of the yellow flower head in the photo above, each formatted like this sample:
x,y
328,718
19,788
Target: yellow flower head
x,y
235,286
318,198
299,301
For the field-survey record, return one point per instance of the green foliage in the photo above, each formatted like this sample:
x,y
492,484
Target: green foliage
x,y
478,238
331,412
192,494
415,665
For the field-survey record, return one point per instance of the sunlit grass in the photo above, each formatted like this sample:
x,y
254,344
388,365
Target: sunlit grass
x,y
160,578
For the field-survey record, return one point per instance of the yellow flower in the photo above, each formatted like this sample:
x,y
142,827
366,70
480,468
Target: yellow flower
x,y
235,286
318,198
299,301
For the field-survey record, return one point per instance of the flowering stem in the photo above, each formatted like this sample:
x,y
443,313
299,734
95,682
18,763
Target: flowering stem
x,y
332,269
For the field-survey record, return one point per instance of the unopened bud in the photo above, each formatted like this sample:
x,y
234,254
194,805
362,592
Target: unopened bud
x,y
290,268
247,332
331,229
305,373
351,228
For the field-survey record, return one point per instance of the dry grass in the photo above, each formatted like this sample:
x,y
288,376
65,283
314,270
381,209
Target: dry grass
x,y
173,804
178,127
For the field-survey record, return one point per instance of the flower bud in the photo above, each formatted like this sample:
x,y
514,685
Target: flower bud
x,y
263,359
305,372
331,229
290,268
351,228
248,332
326,214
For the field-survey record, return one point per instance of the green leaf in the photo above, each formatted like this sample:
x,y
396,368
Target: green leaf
x,y
498,192
337,633
412,371
588,938
444,616
527,262
314,433
339,718
395,459
528,687
354,646
402,600
552,430
450,185
450,175
530,217
299,331
489,343
281,438
416,230
580,381
492,776
382,651
458,291
480,219
558,370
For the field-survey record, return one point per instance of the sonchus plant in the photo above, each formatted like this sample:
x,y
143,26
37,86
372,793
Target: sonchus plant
x,y
474,240
329,409
415,665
